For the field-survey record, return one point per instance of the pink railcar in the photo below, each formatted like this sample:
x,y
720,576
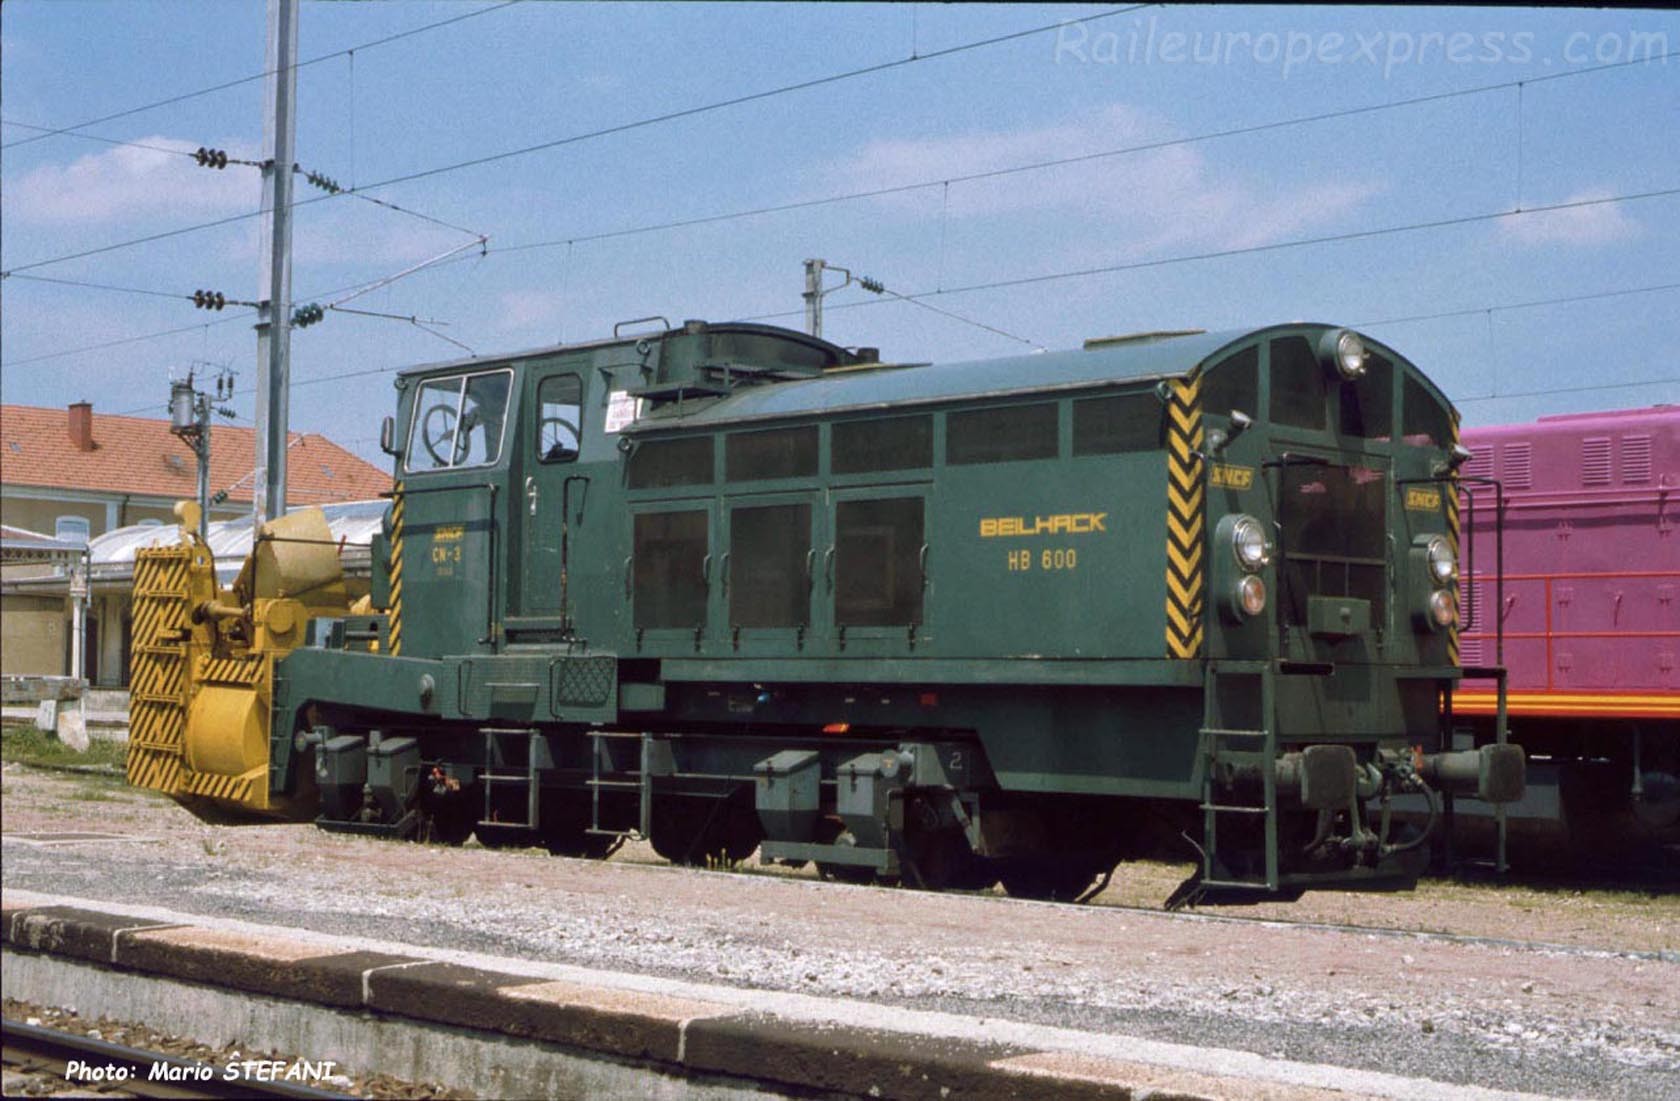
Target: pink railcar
x,y
1589,614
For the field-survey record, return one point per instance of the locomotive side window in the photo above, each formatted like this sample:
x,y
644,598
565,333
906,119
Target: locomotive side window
x,y
669,579
1297,384
1001,435
778,453
657,464
769,559
1426,420
1109,426
1368,402
1233,383
559,418
878,562
458,422
894,443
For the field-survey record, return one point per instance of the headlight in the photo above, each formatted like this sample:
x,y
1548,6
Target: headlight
x,y
1443,565
1248,542
1251,596
1342,351
1441,608
1350,355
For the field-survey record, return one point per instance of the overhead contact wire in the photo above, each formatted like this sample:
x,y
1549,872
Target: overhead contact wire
x,y
591,135
48,132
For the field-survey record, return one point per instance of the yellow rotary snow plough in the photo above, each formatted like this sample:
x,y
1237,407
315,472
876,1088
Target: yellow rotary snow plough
x,y
201,685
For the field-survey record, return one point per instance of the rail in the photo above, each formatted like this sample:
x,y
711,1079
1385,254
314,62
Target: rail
x,y
131,1070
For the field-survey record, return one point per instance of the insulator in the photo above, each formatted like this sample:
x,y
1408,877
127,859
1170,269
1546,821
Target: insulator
x,y
871,285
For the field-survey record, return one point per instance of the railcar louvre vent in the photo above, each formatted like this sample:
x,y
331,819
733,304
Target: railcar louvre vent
x,y
1518,466
1481,462
1636,459
1595,461
1470,646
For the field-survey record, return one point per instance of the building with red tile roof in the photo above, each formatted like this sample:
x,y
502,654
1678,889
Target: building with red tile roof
x,y
118,470
80,474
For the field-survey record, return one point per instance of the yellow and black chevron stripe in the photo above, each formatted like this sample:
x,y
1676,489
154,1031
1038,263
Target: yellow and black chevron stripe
x,y
211,785
158,680
235,671
1186,521
396,570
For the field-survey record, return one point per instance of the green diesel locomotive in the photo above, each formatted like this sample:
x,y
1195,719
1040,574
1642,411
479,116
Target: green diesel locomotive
x,y
732,588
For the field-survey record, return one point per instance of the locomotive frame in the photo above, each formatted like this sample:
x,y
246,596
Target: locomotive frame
x,y
731,587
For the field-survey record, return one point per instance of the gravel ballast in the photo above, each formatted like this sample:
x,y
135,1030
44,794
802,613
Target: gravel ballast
x,y
1597,1017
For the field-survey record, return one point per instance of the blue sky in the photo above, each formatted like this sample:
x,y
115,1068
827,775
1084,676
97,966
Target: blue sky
x,y
533,73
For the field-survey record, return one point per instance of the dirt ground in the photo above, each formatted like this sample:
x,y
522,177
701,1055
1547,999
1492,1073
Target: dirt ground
x,y
1612,919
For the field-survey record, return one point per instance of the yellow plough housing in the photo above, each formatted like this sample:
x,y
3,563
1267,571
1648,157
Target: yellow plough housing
x,y
203,665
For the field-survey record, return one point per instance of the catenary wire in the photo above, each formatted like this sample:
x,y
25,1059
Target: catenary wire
x,y
237,316
100,286
1167,143
1081,273
1059,162
798,87
48,132
637,124
1518,305
1249,250
95,137
365,372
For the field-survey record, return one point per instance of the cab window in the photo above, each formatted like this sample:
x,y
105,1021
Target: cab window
x,y
559,418
1368,402
1297,384
458,421
1427,420
1233,384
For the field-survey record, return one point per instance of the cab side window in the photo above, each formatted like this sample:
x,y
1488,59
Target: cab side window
x,y
458,422
559,418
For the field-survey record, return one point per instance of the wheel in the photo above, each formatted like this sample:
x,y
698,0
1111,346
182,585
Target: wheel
x,y
939,857
585,846
557,439
1048,879
705,832
565,832
505,837
449,824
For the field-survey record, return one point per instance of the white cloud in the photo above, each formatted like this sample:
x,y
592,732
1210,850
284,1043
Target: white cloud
x,y
1580,225
1165,197
125,182
524,310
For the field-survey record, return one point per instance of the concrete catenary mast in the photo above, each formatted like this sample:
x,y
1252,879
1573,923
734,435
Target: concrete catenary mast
x,y
274,336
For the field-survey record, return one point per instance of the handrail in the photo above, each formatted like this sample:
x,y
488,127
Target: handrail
x,y
1589,575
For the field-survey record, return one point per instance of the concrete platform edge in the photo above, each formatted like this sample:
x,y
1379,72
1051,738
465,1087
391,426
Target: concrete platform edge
x,y
678,1028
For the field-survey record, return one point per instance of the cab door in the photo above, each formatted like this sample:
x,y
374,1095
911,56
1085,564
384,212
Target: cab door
x,y
555,494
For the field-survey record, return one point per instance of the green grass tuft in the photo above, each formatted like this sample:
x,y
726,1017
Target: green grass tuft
x,y
29,746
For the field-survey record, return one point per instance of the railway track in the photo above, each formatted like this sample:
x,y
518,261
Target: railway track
x,y
102,1066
